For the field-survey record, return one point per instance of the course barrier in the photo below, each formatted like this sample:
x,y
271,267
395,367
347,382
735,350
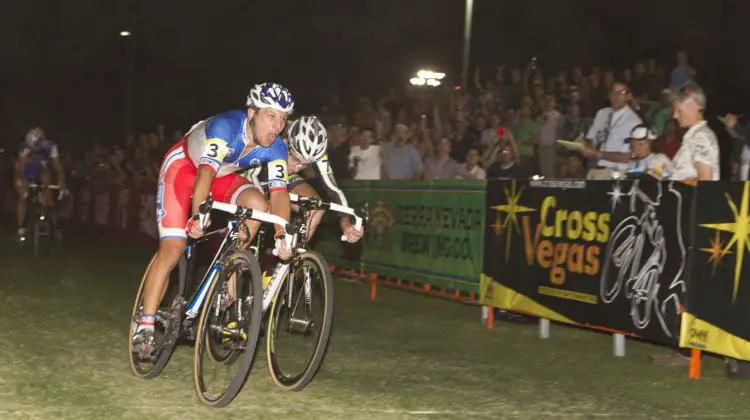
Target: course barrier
x,y
662,261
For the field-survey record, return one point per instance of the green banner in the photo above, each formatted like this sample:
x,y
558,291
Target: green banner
x,y
431,232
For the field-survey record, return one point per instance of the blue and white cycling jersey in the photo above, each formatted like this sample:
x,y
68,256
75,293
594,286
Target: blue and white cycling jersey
x,y
220,141
36,157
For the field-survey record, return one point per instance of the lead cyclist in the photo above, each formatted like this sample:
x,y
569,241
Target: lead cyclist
x,y
206,161
307,142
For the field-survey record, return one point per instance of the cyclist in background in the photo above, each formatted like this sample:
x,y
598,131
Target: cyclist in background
x,y
307,142
205,161
33,162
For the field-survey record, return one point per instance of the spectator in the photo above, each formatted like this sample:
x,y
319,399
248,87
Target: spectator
x,y
527,139
502,137
550,123
573,167
669,142
640,83
663,113
441,165
514,90
740,148
683,73
338,152
642,158
401,159
574,126
462,141
485,133
365,159
471,169
609,132
505,166
698,156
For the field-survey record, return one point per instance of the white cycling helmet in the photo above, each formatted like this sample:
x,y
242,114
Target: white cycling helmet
x,y
271,95
308,138
34,136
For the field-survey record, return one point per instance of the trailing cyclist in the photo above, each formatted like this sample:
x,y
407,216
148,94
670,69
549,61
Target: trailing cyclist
x,y
35,154
307,141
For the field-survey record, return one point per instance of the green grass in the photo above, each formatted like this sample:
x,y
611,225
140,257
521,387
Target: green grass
x,y
63,356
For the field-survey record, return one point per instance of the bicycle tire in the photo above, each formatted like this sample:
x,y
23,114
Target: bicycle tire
x,y
165,352
251,342
42,241
299,382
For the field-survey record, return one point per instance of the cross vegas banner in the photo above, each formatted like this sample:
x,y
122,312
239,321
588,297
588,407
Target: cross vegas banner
x,y
610,254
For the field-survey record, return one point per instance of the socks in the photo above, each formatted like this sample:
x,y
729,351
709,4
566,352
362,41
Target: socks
x,y
147,323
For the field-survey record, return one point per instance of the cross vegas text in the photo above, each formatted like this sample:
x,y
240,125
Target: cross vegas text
x,y
551,245
438,232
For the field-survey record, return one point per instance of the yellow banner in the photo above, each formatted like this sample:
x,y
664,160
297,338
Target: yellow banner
x,y
496,295
700,334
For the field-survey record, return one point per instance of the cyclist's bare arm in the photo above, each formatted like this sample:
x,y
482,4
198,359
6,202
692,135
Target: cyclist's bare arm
x,y
202,186
60,172
280,206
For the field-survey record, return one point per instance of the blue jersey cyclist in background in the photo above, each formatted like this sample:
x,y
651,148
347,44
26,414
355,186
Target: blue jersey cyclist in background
x,y
307,141
206,161
34,156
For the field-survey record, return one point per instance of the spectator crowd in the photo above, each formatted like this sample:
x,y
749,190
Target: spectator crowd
x,y
507,125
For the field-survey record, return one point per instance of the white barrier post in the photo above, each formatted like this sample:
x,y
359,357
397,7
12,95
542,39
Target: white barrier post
x,y
619,344
544,328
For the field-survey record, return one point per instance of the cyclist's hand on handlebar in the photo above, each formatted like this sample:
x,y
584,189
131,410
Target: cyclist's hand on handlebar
x,y
196,227
352,234
282,249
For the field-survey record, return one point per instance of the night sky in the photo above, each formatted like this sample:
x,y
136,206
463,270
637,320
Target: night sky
x,y
63,64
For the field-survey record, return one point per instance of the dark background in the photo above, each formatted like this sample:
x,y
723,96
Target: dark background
x,y
63,65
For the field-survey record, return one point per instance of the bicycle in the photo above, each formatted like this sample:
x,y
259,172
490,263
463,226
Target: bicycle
x,y
280,296
41,220
221,315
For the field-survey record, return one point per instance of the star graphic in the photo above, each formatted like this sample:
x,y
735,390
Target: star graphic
x,y
740,230
616,194
497,226
717,252
512,209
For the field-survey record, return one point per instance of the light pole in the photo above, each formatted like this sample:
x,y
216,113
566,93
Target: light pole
x,y
467,43
129,82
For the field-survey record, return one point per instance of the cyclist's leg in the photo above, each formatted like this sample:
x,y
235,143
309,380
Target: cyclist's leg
x,y
303,189
176,180
44,180
30,171
238,190
235,189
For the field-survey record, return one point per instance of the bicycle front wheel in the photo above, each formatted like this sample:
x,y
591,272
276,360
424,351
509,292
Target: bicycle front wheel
x,y
228,330
300,323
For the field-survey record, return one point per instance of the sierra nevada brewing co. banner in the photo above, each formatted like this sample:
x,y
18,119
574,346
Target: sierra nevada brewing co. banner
x,y
717,313
424,231
610,254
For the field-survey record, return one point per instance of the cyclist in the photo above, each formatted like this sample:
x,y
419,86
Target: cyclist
x,y
307,143
205,161
33,161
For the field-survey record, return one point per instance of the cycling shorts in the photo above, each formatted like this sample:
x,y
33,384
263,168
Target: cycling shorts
x,y
176,180
31,170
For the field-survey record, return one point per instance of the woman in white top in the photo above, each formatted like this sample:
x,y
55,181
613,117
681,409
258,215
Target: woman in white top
x,y
365,159
698,156
473,170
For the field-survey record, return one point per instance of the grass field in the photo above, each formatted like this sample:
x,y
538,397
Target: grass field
x,y
63,356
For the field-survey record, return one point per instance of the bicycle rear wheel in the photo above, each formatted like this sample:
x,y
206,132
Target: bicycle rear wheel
x,y
42,232
166,328
228,330
294,319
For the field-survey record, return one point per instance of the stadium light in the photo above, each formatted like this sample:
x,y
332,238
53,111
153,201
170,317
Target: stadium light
x,y
428,78
124,33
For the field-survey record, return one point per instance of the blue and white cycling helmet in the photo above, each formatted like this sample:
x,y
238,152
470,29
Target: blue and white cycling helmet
x,y
34,136
271,95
